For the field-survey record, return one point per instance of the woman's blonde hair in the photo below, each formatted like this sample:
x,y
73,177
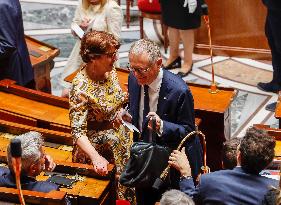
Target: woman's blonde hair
x,y
86,4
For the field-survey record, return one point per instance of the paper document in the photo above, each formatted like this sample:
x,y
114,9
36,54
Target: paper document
x,y
78,30
130,126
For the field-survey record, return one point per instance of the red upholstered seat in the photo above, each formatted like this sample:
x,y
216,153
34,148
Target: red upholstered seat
x,y
151,6
122,202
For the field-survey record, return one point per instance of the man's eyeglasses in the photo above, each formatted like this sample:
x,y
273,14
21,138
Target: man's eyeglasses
x,y
139,70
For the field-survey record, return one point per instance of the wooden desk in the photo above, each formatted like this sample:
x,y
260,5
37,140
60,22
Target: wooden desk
x,y
93,189
32,197
33,107
237,29
276,133
278,110
214,110
41,56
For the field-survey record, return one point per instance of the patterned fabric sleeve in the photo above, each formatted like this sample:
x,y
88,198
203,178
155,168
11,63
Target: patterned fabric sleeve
x,y
78,110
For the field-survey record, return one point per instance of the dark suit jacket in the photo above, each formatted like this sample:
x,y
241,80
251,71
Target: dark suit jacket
x,y
176,109
27,183
229,187
272,4
14,57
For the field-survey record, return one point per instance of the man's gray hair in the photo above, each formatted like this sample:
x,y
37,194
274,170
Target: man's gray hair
x,y
146,46
31,146
175,197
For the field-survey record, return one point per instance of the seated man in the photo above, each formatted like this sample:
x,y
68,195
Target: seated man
x,y
33,160
243,184
229,152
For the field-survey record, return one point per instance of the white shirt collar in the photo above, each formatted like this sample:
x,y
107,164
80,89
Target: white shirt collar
x,y
156,84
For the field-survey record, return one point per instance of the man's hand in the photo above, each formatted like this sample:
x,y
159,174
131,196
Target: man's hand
x,y
100,165
179,161
122,115
152,115
49,163
192,4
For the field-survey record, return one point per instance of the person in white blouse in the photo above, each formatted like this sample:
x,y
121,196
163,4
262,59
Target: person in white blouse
x,y
100,15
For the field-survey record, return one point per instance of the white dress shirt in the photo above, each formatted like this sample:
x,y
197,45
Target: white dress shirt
x,y
153,92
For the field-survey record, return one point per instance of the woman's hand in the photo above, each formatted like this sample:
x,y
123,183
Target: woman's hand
x,y
85,23
100,165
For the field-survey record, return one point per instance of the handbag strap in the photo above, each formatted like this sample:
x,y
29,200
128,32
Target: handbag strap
x,y
205,168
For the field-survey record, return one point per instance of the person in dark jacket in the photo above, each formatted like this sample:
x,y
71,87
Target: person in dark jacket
x,y
14,57
241,185
34,161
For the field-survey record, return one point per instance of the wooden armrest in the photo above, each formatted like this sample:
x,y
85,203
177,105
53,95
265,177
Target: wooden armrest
x,y
33,197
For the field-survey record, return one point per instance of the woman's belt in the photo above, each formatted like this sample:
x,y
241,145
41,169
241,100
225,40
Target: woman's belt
x,y
100,126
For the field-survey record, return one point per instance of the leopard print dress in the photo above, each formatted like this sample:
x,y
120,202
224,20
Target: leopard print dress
x,y
92,101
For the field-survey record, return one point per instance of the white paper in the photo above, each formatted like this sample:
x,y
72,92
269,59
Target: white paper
x,y
130,126
78,30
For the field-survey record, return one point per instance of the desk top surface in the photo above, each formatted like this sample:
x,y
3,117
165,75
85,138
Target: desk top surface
x,y
34,109
40,52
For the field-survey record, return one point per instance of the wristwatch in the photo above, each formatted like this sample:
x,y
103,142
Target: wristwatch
x,y
185,177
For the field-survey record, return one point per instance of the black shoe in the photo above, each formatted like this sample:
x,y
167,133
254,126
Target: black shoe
x,y
175,64
271,107
269,87
182,74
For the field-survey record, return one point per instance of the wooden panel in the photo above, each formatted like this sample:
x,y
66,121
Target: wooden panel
x,y
276,133
41,56
33,197
237,29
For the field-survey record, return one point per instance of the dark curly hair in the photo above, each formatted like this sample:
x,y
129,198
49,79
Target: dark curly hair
x,y
257,150
96,43
229,153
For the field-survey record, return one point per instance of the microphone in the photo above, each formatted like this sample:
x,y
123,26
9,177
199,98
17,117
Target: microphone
x,y
15,148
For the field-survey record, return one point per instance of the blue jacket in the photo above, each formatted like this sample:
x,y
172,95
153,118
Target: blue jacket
x,y
14,57
228,187
28,183
176,109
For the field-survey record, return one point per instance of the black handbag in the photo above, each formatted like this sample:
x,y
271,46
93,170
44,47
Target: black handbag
x,y
146,163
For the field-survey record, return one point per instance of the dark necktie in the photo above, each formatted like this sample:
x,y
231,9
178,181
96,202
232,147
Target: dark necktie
x,y
145,112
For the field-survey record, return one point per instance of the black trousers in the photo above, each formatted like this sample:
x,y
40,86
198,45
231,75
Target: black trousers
x,y
273,34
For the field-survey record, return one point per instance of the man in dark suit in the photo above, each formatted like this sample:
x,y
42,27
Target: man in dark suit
x,y
157,93
33,160
273,34
14,57
243,184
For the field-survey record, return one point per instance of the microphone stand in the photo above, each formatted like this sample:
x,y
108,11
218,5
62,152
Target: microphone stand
x,y
16,162
213,89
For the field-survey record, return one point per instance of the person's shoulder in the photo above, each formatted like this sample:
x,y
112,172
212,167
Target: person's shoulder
x,y
175,81
5,5
112,4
